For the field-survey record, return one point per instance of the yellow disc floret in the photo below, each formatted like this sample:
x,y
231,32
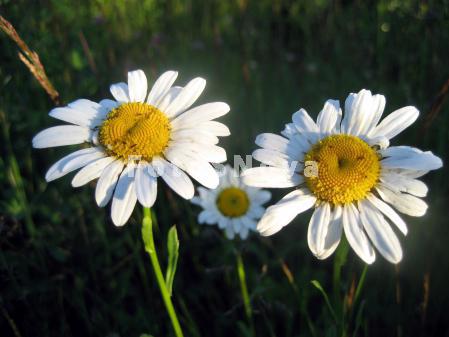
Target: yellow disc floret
x,y
233,202
347,169
135,130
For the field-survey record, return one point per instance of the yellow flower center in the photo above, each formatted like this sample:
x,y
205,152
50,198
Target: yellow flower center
x,y
233,202
347,168
135,130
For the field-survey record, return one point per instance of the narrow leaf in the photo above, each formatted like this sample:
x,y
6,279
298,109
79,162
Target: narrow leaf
x,y
173,253
317,285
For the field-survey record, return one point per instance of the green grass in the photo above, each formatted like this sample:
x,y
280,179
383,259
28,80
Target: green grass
x,y
65,270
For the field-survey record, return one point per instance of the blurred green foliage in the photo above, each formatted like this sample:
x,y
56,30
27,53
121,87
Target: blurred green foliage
x,y
65,270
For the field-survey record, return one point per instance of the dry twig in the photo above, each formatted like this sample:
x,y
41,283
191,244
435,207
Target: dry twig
x,y
30,59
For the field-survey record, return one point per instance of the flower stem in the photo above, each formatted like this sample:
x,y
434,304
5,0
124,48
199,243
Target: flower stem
x,y
339,261
147,236
246,301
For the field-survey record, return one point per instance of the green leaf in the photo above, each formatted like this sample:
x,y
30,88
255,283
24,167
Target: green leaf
x,y
173,253
317,285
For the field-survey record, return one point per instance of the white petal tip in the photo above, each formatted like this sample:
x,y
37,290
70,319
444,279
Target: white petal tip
x,y
188,196
118,223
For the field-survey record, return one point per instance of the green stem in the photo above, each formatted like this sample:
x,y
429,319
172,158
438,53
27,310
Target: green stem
x,y
147,236
244,289
339,261
360,285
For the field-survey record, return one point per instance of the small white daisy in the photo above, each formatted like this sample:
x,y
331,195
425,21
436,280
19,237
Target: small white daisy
x,y
233,206
138,137
348,173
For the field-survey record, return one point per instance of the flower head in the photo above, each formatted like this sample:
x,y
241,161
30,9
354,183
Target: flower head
x,y
345,170
138,137
233,206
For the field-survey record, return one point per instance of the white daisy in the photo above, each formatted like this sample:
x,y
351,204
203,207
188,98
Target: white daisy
x,y
233,206
138,137
348,173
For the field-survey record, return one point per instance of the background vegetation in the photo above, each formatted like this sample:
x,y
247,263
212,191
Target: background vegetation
x,y
65,270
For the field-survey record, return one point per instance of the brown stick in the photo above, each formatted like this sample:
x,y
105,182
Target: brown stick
x,y
30,59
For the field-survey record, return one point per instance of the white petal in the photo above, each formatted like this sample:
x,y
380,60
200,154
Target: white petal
x,y
380,232
73,162
205,152
198,168
262,196
169,97
146,184
378,106
107,105
120,92
333,235
329,118
289,130
194,136
137,86
175,178
273,177
418,161
125,197
281,214
305,125
61,135
381,142
354,233
106,183
401,183
400,151
89,116
85,105
408,173
360,114
236,225
348,112
318,227
271,141
229,232
395,122
200,114
244,232
249,223
186,97
276,159
229,177
161,87
404,203
91,171
216,128
256,211
389,212
208,217
224,222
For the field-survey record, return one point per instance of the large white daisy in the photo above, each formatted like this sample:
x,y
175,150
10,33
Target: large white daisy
x,y
233,206
138,137
348,173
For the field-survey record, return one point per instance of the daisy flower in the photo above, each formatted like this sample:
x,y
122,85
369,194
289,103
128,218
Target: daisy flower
x,y
345,169
233,206
136,138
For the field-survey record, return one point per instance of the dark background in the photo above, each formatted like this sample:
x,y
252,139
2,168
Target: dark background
x,y
65,270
